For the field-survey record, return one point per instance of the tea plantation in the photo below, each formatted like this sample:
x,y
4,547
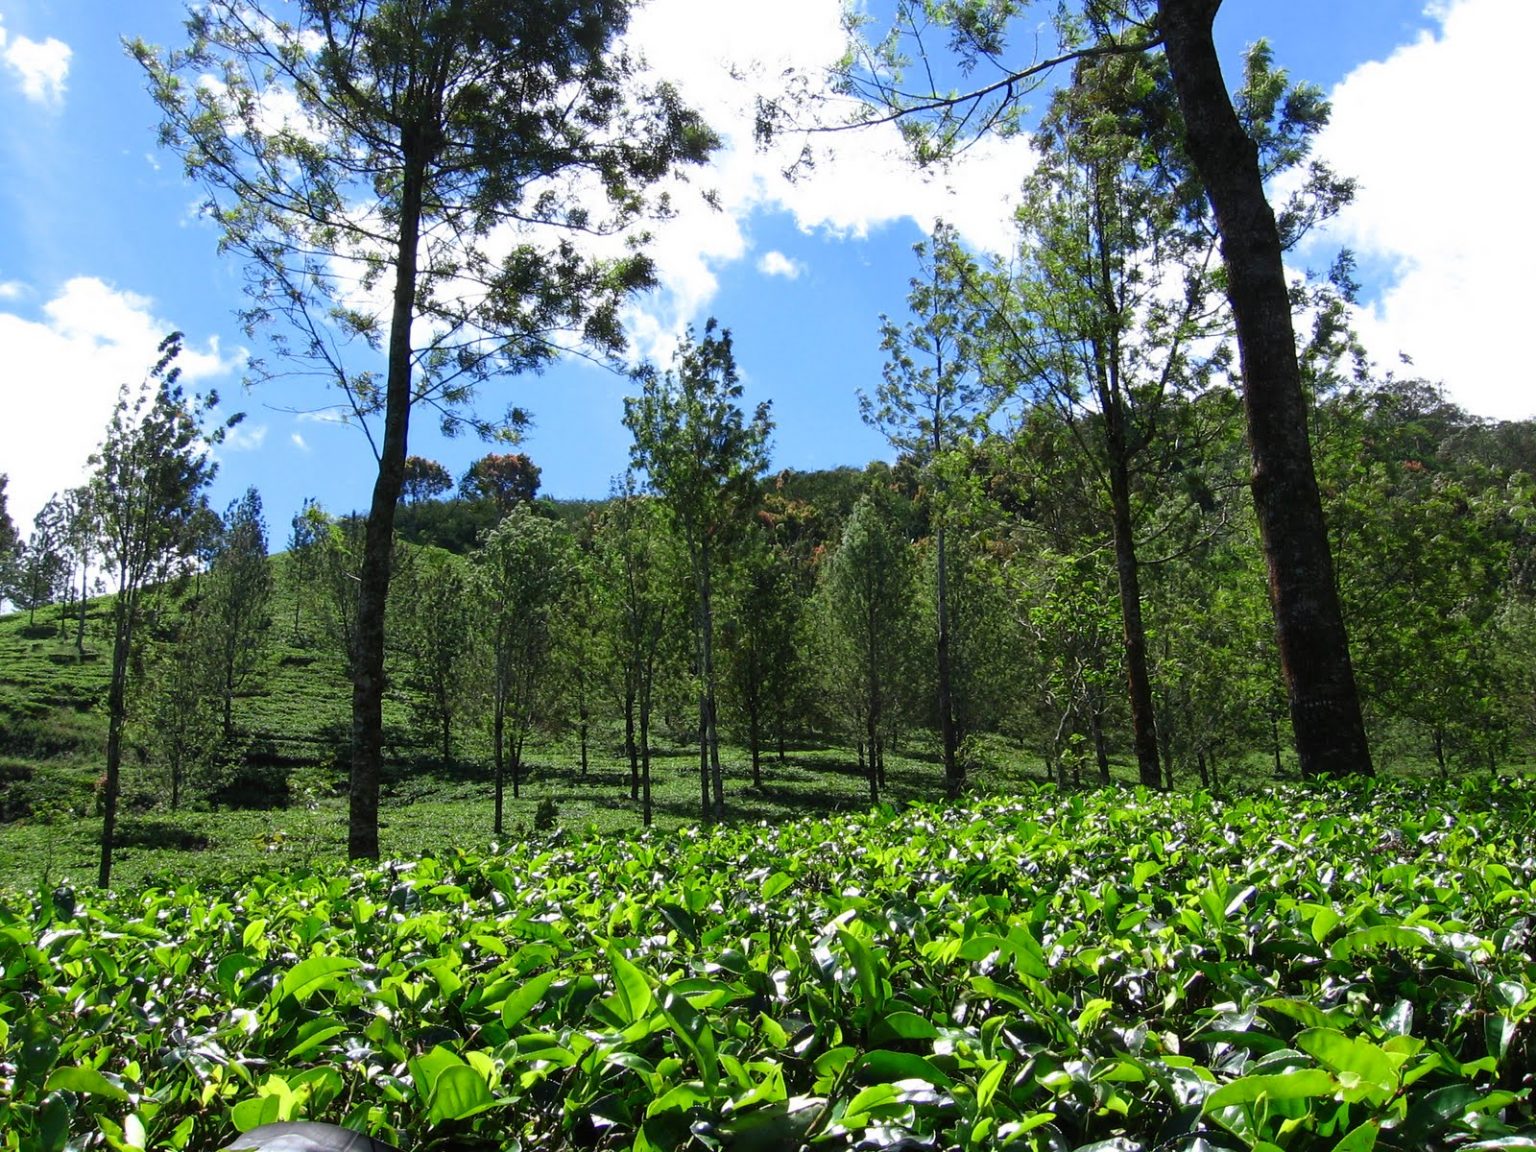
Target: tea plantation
x,y
1339,969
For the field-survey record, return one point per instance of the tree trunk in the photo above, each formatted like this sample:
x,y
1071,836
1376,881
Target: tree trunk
x,y
80,627
379,532
872,738
117,714
714,782
954,771
1100,745
631,752
1128,580
755,736
645,759
1314,647
499,755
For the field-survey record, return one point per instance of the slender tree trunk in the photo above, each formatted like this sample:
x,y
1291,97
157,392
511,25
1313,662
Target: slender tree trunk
x,y
1314,647
954,771
80,627
871,737
117,714
379,532
1100,746
583,716
1200,766
755,735
1128,579
714,778
1439,744
499,755
630,750
645,757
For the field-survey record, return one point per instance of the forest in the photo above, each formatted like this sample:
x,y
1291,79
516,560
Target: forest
x,y
1136,759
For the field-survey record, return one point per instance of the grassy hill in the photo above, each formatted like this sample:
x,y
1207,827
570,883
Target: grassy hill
x,y
285,802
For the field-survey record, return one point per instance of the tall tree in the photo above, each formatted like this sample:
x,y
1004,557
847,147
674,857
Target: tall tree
x,y
1314,647
80,539
1105,310
438,640
302,565
147,483
867,598
639,601
236,602
1226,154
934,400
44,568
10,544
704,458
450,152
761,620
502,479
424,480
522,570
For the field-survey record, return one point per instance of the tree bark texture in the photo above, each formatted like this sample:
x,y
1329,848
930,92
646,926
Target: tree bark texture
x,y
1314,647
378,539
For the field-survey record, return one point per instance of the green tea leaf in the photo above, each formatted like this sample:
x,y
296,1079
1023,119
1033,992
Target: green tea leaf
x,y
315,974
457,1093
86,1081
1302,1084
521,1002
630,986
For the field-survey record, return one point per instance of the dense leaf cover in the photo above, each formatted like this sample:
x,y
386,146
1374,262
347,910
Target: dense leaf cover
x,y
1311,968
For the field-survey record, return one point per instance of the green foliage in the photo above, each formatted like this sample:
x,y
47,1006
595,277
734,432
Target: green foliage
x,y
867,633
150,513
437,638
9,543
704,458
1048,971
235,605
522,572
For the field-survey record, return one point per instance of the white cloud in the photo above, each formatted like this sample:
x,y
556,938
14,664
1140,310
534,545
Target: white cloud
x,y
775,263
1442,196
721,57
63,372
244,437
299,442
41,66
12,289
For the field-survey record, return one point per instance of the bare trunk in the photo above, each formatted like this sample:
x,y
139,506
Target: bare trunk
x,y
378,537
712,779
645,760
954,771
80,627
499,755
1133,631
117,714
631,752
1100,745
1314,647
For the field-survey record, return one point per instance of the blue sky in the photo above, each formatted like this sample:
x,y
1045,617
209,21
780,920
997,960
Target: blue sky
x,y
101,251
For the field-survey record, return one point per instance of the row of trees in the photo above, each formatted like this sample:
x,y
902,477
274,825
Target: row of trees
x,y
451,153
822,617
